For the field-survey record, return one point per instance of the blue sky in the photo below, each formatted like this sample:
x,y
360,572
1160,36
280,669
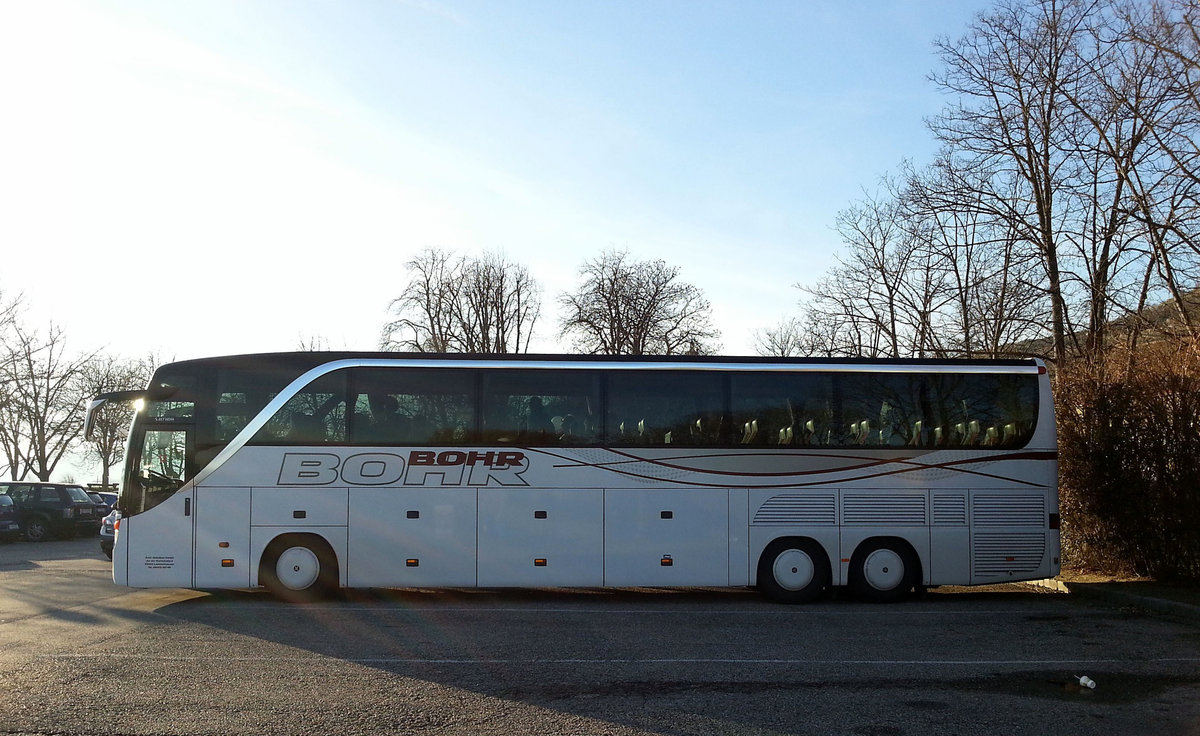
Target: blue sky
x,y
199,178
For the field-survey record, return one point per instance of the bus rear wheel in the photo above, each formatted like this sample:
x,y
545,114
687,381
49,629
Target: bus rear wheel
x,y
299,568
793,570
883,570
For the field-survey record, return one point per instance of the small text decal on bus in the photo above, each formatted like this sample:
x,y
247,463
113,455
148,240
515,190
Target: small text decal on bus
x,y
420,468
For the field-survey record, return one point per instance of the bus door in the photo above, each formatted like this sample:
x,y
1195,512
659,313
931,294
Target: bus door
x,y
157,532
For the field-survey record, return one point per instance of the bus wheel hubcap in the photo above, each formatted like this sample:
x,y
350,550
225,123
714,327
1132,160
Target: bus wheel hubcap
x,y
793,569
883,569
298,568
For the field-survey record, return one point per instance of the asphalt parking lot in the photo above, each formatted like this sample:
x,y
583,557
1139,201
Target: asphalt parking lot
x,y
998,660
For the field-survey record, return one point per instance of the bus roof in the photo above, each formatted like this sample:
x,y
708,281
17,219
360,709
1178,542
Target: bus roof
x,y
309,359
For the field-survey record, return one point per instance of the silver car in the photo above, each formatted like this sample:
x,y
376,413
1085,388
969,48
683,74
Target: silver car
x,y
108,532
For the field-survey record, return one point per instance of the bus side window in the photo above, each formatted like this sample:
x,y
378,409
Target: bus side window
x,y
412,406
781,409
650,408
983,410
540,407
316,415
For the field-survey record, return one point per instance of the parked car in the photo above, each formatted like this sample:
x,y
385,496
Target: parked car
x,y
57,509
104,500
10,519
108,532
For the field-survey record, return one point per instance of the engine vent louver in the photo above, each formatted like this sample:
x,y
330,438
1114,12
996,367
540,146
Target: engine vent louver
x,y
1022,509
797,509
876,510
997,554
950,510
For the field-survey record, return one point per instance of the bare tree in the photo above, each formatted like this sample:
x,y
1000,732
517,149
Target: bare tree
x,y
923,274
987,296
424,310
886,286
784,340
1171,28
41,415
628,307
1150,61
8,316
1011,121
1066,196
470,305
498,306
110,429
312,343
817,332
8,311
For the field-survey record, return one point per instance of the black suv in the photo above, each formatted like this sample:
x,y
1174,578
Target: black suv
x,y
52,509
10,519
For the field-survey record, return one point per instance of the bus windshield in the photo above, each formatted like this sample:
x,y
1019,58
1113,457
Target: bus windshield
x,y
191,411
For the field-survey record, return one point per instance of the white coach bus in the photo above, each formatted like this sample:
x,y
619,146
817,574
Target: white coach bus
x,y
309,472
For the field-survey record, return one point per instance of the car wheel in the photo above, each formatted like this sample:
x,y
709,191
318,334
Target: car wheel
x,y
793,570
299,568
36,529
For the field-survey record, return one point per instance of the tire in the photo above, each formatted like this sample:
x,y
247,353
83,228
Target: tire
x,y
884,570
793,570
299,568
37,529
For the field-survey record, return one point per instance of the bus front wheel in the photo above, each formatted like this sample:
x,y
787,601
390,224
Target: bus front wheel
x,y
298,568
883,570
793,570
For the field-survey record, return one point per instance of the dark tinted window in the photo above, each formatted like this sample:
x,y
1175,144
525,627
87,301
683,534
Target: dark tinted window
x,y
666,408
882,408
783,408
526,406
979,410
885,409
78,493
315,415
182,403
413,406
541,407
241,395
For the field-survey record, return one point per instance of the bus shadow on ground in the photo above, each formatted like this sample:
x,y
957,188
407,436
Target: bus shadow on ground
x,y
607,653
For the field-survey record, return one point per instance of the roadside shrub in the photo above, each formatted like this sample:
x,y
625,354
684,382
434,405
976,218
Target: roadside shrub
x,y
1129,462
